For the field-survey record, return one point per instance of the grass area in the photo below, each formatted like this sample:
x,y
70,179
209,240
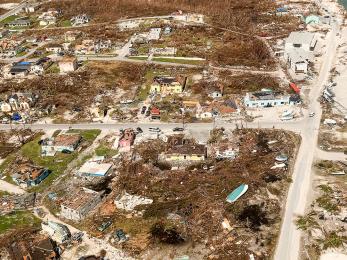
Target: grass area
x,y
143,92
138,57
9,19
306,222
57,164
333,240
180,61
53,69
21,54
65,23
88,135
17,220
3,193
104,150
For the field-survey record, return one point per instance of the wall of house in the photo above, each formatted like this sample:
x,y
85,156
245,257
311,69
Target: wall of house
x,y
264,103
83,211
181,157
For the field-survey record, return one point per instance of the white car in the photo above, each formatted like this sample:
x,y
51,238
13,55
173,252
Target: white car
x,y
311,114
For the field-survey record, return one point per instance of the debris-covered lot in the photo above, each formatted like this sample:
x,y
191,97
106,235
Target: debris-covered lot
x,y
324,225
189,205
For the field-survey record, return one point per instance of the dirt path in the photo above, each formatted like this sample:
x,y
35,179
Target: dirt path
x,y
11,188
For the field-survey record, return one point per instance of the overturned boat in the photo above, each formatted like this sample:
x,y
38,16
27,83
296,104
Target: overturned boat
x,y
237,193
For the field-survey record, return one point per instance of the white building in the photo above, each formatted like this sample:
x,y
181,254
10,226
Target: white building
x,y
265,99
299,60
154,34
95,169
303,40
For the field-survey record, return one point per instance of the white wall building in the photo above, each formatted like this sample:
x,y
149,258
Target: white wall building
x,y
303,40
265,99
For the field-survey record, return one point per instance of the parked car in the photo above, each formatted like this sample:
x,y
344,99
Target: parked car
x,y
178,129
154,129
139,130
104,226
143,110
66,151
120,236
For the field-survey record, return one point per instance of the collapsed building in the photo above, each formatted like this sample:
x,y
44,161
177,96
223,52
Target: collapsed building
x,y
80,203
183,150
28,175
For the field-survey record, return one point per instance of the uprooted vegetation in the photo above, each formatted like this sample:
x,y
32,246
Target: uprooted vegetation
x,y
235,50
95,32
236,84
78,89
189,205
325,225
246,15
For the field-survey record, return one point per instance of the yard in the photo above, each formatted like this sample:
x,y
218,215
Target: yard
x,y
17,220
181,61
57,164
105,150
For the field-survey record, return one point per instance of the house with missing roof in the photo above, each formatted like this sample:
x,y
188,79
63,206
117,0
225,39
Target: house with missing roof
x,y
183,150
167,85
79,204
28,175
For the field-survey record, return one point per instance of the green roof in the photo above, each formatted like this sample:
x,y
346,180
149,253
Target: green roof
x,y
312,19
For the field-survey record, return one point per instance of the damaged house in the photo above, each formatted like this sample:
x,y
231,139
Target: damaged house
x,y
28,175
80,203
180,149
166,85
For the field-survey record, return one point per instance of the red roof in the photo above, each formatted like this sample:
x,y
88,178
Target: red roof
x,y
295,88
155,111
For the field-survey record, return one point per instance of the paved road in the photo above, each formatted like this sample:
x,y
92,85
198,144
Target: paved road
x,y
331,156
290,126
289,240
15,10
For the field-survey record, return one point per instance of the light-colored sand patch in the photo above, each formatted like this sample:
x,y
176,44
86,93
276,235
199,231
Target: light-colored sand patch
x,y
8,6
333,256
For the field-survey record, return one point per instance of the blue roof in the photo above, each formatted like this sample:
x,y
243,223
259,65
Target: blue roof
x,y
281,9
24,63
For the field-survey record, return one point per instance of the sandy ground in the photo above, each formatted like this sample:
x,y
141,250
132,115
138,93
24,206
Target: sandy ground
x,y
340,89
8,6
5,186
333,256
274,114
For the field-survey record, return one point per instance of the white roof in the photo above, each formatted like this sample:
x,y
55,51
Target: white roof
x,y
301,37
299,55
94,168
